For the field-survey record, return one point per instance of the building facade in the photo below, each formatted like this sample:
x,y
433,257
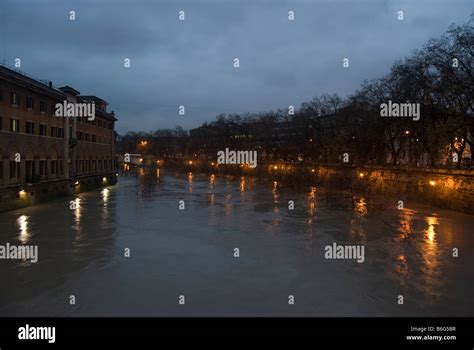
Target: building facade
x,y
42,154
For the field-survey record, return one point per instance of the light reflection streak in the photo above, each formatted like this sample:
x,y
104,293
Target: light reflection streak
x,y
242,184
276,210
77,213
430,253
105,196
24,235
190,181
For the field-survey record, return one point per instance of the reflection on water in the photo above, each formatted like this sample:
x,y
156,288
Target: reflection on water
x,y
190,181
421,256
212,196
276,209
77,214
361,206
191,250
228,205
105,196
432,222
24,235
405,227
242,184
431,256
311,209
105,210
358,221
401,268
212,180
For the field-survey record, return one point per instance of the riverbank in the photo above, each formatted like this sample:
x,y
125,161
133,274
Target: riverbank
x,y
445,188
23,195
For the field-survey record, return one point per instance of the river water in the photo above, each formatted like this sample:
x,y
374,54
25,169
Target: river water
x,y
191,253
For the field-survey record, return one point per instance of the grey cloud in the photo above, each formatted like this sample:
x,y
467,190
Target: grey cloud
x,y
190,63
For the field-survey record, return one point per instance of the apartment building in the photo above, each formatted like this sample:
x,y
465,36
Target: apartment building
x,y
42,154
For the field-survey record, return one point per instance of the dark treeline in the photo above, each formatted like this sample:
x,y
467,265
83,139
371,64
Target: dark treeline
x,y
439,77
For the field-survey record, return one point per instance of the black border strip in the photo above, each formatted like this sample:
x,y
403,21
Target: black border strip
x,y
133,331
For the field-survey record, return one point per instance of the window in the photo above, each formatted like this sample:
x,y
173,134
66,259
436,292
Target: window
x,y
61,133
100,123
14,125
42,129
14,99
87,137
80,135
54,167
43,165
54,131
30,102
14,170
30,127
29,170
42,107
93,138
1,123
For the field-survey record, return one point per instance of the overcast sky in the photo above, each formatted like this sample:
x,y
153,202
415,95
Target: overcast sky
x,y
190,62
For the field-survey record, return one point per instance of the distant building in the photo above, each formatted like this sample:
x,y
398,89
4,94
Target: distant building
x,y
41,152
133,159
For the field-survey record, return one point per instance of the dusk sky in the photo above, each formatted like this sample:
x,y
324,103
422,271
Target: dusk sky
x,y
190,62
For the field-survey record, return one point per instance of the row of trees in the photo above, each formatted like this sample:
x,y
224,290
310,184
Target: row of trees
x,y
439,77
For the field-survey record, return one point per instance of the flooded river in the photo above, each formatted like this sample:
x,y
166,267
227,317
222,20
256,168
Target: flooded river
x,y
280,255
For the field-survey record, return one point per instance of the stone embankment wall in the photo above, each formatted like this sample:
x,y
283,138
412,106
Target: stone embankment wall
x,y
445,188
